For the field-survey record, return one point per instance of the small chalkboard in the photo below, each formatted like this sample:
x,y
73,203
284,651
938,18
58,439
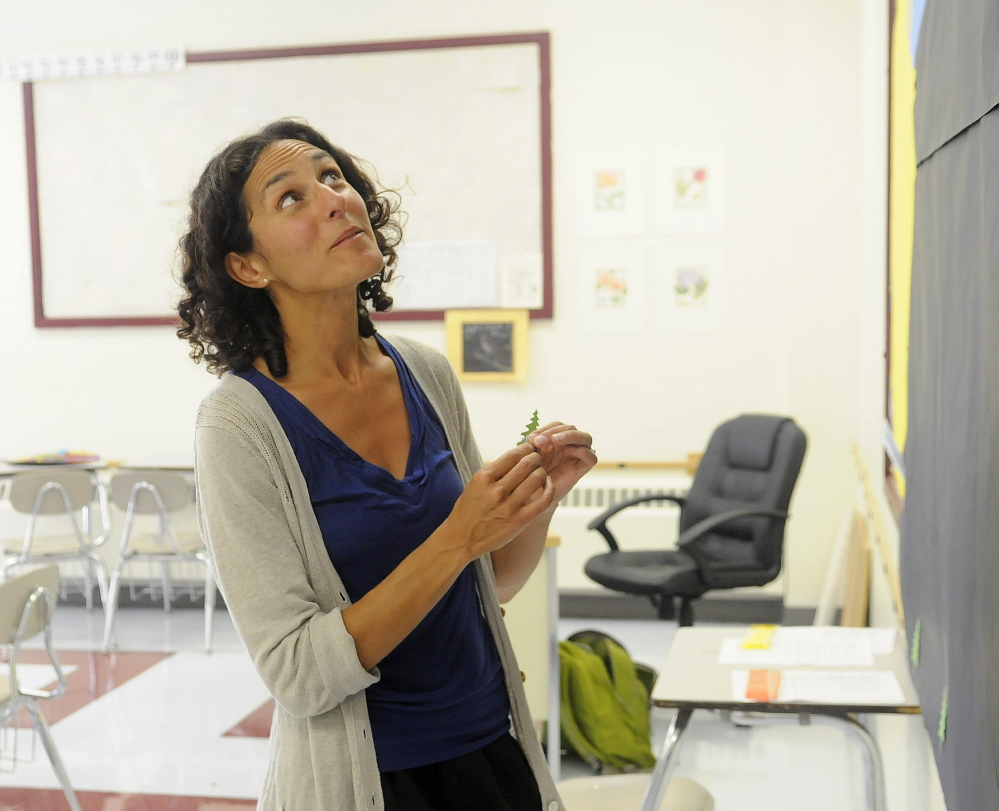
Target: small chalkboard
x,y
488,345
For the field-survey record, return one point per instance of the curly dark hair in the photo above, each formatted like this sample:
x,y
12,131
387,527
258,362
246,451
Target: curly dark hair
x,y
228,324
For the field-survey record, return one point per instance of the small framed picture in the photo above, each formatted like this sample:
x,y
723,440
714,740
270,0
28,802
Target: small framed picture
x,y
488,345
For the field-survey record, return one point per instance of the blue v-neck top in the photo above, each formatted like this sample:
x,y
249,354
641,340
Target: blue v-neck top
x,y
441,693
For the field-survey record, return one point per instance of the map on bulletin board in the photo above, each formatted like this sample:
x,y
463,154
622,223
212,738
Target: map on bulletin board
x,y
460,128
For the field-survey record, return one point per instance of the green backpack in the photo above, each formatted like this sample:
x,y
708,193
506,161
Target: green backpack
x,y
604,706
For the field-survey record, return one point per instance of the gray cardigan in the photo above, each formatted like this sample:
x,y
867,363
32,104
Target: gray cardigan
x,y
285,596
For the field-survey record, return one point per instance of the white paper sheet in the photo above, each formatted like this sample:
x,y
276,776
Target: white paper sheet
x,y
841,687
881,640
797,652
740,683
521,281
446,275
830,687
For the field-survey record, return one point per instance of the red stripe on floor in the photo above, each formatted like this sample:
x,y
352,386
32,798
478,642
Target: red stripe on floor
x,y
96,674
256,725
30,799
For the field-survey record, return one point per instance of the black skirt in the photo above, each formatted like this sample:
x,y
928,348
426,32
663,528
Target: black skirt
x,y
494,778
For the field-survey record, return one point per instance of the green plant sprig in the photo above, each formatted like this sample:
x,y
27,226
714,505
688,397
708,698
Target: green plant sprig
x,y
532,425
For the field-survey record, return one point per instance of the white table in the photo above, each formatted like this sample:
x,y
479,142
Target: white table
x,y
692,678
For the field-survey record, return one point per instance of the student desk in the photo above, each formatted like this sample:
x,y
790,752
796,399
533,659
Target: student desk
x,y
177,462
693,679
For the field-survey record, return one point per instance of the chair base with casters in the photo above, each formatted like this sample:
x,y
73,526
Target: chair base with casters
x,y
157,494
654,572
26,605
731,521
70,494
625,791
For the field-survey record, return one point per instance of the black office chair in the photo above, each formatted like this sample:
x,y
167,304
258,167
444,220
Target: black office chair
x,y
731,520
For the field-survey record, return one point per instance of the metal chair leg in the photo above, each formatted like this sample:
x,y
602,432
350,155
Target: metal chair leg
x,y
111,606
874,772
167,586
42,728
102,577
88,584
209,607
666,762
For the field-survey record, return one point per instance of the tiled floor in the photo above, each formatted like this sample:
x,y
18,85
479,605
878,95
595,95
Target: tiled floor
x,y
162,725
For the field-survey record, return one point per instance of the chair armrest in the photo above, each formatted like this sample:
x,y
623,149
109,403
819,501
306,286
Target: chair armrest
x,y
688,540
600,522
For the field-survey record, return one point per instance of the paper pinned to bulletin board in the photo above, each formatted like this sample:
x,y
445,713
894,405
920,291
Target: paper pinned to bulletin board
x,y
521,281
452,273
690,191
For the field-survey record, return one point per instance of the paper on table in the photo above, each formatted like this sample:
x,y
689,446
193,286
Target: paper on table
x,y
740,683
759,637
841,687
827,653
881,640
829,686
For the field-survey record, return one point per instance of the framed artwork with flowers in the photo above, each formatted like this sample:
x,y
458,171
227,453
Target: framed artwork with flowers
x,y
690,191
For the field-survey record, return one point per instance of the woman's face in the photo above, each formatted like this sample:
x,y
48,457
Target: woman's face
x,y
311,232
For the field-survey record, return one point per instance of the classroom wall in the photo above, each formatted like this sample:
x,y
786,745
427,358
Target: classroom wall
x,y
791,92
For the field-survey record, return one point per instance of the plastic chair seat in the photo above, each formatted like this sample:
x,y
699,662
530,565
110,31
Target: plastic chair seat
x,y
49,546
646,572
624,791
154,545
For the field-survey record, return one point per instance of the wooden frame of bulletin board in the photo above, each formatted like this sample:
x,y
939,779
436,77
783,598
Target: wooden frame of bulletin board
x,y
460,128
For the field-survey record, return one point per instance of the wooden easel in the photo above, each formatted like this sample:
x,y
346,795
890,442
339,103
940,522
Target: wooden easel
x,y
849,573
857,587
851,561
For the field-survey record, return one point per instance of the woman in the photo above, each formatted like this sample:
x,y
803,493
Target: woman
x,y
360,544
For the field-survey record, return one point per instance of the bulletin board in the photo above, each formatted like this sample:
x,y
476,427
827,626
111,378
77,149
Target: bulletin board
x,y
459,127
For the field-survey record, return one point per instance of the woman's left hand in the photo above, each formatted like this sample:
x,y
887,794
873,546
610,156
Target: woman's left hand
x,y
566,454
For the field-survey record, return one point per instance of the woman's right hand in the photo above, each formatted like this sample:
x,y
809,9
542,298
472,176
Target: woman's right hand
x,y
499,501
496,504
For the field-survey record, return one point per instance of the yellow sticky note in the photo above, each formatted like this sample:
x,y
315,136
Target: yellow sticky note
x,y
759,637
